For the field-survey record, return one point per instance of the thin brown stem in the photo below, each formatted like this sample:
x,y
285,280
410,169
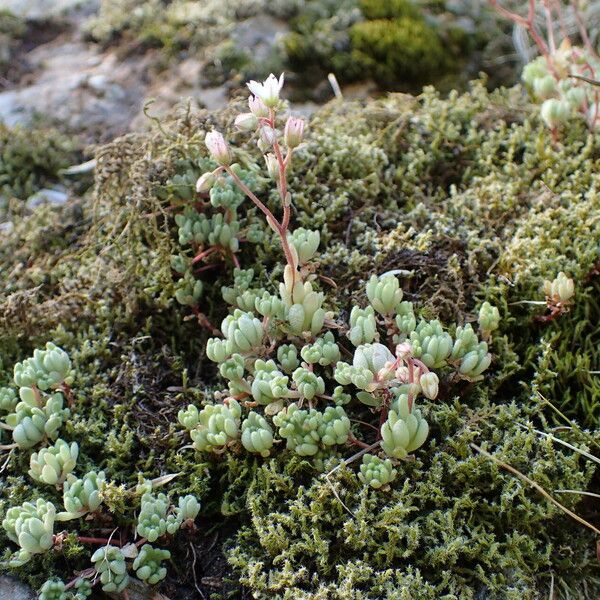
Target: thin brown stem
x,y
536,486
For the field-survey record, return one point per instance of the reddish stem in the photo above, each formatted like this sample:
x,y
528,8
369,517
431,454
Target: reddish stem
x,y
204,254
100,541
358,443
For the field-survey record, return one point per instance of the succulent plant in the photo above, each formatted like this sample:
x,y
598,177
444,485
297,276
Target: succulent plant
x,y
287,356
257,434
269,383
52,465
308,383
153,520
384,294
46,369
404,431
376,472
488,319
431,344
560,289
363,327
8,399
81,496
305,244
53,589
324,351
36,417
109,562
292,355
188,508
31,526
148,564
307,431
405,319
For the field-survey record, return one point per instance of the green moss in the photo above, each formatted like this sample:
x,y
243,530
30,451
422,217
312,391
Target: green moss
x,y
388,9
454,525
398,50
30,160
468,197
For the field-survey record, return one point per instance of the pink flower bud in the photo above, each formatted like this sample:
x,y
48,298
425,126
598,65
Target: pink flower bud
x,y
218,148
257,107
293,132
403,350
205,182
272,166
267,135
246,121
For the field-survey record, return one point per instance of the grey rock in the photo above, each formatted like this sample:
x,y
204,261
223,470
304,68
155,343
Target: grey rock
x,y
56,197
13,589
259,35
43,9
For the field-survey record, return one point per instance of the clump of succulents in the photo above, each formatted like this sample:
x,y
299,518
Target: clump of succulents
x,y
148,565
562,79
81,496
42,380
31,526
52,465
281,354
109,562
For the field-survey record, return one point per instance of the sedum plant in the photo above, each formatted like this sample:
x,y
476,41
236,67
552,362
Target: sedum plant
x,y
564,77
52,465
31,526
281,353
147,564
81,496
55,589
153,520
376,472
109,562
39,412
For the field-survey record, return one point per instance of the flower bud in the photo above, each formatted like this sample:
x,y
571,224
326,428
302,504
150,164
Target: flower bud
x,y
257,107
205,182
272,166
429,383
267,135
218,148
246,121
293,132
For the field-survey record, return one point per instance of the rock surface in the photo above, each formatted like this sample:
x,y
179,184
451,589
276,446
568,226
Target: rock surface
x,y
13,589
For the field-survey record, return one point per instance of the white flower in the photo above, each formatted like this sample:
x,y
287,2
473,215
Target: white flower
x,y
218,148
257,107
268,91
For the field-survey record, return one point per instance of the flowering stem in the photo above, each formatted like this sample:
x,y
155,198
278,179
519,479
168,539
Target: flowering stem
x,y
270,218
411,380
252,196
